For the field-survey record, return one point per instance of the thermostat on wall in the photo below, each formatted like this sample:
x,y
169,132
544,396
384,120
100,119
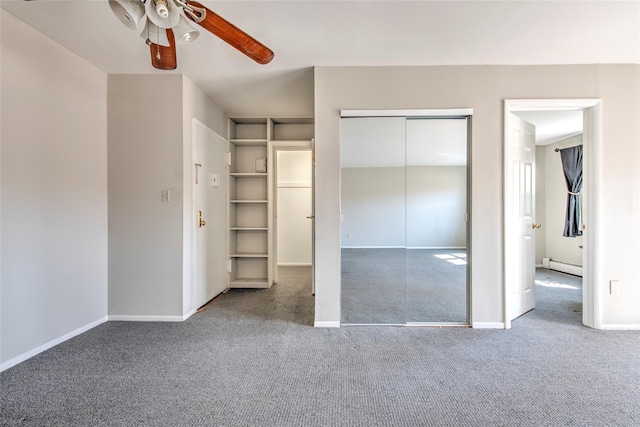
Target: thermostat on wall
x,y
261,164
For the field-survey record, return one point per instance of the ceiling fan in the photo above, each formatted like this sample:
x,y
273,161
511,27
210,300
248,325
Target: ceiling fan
x,y
168,23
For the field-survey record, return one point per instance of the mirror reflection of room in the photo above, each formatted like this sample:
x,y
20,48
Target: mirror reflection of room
x,y
404,220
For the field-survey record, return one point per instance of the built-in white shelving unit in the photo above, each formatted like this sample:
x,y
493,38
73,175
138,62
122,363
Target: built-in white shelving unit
x,y
250,192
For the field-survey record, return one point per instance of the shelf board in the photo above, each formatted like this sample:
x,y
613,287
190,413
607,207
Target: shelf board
x,y
247,201
248,228
248,141
249,255
249,283
292,120
249,120
249,174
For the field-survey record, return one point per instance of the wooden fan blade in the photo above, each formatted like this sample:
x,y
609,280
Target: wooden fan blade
x,y
233,35
164,57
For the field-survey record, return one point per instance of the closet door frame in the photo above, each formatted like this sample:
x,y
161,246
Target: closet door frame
x,y
459,113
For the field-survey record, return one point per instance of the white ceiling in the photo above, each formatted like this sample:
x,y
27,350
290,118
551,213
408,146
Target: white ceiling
x,y
553,126
304,34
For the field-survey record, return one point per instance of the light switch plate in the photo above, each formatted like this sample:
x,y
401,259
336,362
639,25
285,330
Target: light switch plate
x,y
166,196
614,287
214,179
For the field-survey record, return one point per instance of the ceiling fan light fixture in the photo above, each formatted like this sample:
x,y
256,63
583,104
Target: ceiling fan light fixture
x,y
184,31
129,12
154,34
161,8
157,8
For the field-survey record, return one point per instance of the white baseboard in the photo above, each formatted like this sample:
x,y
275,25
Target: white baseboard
x,y
373,247
443,248
29,354
621,327
453,248
321,324
487,325
147,318
562,267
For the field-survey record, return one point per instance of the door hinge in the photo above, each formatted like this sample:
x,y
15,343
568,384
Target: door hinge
x,y
229,266
229,158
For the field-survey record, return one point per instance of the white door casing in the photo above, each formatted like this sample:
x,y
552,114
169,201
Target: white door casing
x,y
519,215
210,191
293,207
313,216
592,197
273,147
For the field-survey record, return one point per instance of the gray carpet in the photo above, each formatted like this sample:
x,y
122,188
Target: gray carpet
x,y
394,286
253,359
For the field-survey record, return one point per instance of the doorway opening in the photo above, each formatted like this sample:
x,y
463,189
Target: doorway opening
x,y
292,213
529,243
558,258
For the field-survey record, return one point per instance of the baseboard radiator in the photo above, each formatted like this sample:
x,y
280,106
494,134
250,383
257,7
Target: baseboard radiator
x,y
576,270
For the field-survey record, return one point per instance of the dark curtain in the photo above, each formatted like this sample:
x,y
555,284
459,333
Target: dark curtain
x,y
572,167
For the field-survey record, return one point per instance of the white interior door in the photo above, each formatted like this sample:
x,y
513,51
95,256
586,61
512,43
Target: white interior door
x,y
294,171
294,207
211,214
519,216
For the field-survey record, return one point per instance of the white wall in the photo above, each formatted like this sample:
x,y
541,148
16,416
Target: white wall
x,y
484,88
54,193
294,205
557,247
145,157
150,149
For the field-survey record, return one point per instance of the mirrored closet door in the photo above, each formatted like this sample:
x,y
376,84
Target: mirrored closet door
x,y
436,198
373,213
404,220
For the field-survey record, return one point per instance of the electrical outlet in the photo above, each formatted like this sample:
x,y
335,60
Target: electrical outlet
x,y
166,196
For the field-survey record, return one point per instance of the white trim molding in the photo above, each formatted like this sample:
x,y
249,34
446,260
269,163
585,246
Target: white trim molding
x,y
326,324
294,184
454,112
488,325
148,318
592,200
373,247
621,326
439,248
29,354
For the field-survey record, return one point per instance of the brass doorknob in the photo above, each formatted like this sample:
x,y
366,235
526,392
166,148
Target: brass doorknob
x,y
536,225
